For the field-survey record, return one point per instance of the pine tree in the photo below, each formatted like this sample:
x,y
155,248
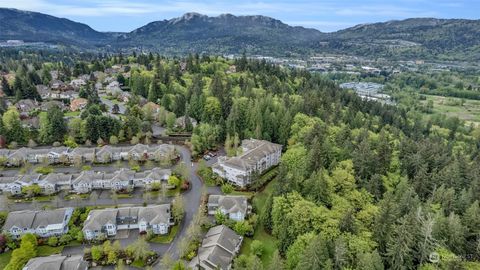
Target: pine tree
x,y
6,87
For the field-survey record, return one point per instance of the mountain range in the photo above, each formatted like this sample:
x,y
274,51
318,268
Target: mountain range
x,y
429,38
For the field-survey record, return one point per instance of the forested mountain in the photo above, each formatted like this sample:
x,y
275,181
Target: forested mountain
x,y
34,26
223,34
193,32
420,37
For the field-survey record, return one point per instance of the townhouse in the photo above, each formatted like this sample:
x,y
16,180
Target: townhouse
x,y
234,207
107,222
219,247
104,154
57,262
84,182
44,223
257,156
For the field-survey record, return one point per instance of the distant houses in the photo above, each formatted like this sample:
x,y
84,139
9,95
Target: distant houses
x,y
182,122
107,222
257,156
85,181
219,247
42,223
234,207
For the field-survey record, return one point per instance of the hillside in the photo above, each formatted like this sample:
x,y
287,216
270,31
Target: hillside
x,y
34,26
226,33
418,37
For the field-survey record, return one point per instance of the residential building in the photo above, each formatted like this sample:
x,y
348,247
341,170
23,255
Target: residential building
x,y
234,207
26,105
55,182
84,182
78,104
181,122
44,223
257,156
105,154
57,262
107,222
219,247
77,83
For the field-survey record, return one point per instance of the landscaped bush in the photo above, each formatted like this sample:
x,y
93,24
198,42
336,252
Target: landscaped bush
x,y
227,188
137,253
44,170
52,241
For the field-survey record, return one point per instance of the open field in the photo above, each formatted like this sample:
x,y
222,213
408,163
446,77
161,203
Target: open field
x,y
465,109
4,259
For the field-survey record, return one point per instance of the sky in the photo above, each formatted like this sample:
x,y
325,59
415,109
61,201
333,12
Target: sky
x,y
324,15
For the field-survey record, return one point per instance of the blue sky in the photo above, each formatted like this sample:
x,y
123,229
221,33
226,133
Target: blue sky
x,y
325,15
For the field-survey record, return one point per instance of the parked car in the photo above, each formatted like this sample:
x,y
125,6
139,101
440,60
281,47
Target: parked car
x,y
206,157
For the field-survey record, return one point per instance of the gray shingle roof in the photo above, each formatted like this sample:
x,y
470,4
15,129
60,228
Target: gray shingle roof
x,y
57,262
153,214
253,151
231,203
34,219
218,248
98,218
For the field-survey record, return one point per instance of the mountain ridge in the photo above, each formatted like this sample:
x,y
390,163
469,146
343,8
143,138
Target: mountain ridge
x,y
256,34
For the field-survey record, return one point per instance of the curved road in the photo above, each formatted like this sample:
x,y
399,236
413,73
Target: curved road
x,y
191,199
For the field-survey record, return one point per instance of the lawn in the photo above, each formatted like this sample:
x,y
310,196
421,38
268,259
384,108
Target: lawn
x,y
4,259
73,196
168,193
48,250
72,114
165,239
247,194
138,264
466,109
124,196
37,198
260,234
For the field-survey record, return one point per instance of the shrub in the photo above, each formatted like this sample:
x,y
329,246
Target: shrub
x,y
173,181
97,253
70,142
257,248
44,170
52,241
65,239
227,188
243,228
135,168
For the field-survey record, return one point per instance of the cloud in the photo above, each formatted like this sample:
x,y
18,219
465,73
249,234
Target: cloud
x,y
384,10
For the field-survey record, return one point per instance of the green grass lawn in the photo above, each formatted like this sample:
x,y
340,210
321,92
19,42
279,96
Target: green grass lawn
x,y
165,239
247,194
48,250
4,259
268,241
37,198
73,196
72,114
168,193
124,196
451,106
138,264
